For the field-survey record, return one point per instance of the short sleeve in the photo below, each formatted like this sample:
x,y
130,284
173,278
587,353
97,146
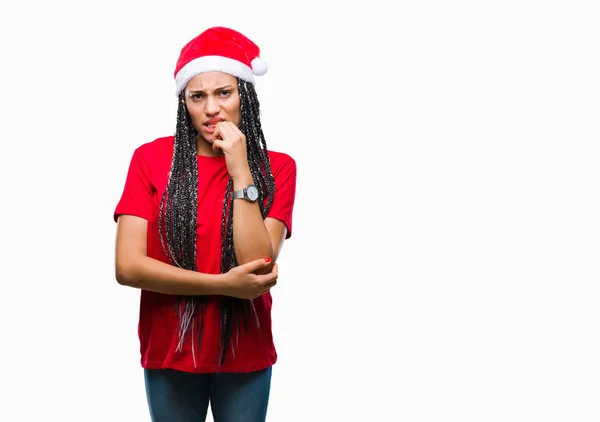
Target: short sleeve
x,y
282,207
136,198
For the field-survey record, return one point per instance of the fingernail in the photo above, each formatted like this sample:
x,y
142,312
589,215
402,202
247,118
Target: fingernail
x,y
267,259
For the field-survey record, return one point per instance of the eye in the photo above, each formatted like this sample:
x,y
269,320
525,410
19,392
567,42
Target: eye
x,y
196,96
225,93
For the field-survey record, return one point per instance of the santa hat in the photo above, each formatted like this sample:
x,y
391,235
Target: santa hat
x,y
219,49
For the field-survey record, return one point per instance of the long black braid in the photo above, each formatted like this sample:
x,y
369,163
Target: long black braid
x,y
179,211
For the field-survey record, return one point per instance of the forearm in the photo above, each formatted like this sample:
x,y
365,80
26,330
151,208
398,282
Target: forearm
x,y
250,236
151,274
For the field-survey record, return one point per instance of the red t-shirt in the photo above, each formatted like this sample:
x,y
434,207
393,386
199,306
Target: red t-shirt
x,y
145,183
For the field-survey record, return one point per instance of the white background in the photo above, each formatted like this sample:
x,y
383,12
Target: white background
x,y
444,261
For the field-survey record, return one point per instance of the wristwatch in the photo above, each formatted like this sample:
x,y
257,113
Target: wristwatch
x,y
249,193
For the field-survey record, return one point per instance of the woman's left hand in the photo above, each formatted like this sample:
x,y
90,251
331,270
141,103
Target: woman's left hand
x,y
232,142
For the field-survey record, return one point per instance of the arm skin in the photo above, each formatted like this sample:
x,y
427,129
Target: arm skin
x,y
254,238
135,269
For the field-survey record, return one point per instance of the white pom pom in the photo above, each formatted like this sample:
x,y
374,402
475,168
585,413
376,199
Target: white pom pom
x,y
259,66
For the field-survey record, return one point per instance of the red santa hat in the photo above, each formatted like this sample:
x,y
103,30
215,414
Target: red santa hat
x,y
219,49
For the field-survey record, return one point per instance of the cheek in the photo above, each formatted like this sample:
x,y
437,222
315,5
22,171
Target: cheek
x,y
237,117
235,113
195,115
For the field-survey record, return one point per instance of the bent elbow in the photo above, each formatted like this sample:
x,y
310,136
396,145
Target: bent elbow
x,y
269,252
121,277
124,274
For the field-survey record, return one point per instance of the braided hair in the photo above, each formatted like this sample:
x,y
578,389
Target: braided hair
x,y
179,210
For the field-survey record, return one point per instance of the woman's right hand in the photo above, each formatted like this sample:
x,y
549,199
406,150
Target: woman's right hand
x,y
243,283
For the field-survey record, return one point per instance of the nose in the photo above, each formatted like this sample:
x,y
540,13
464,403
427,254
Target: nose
x,y
212,105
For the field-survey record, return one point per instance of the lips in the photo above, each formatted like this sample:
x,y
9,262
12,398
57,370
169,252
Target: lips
x,y
211,123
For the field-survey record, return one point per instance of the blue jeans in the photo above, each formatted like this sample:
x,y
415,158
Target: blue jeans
x,y
175,396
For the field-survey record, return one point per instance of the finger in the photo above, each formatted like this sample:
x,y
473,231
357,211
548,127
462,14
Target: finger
x,y
221,130
275,270
218,134
268,287
257,264
271,276
269,279
217,145
229,130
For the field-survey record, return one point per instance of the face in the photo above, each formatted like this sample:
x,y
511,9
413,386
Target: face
x,y
212,97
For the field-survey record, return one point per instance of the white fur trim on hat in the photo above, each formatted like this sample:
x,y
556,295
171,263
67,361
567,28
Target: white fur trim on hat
x,y
211,64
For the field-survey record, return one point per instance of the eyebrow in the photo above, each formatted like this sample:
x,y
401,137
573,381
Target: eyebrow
x,y
200,91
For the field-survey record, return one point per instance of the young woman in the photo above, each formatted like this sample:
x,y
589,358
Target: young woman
x,y
201,221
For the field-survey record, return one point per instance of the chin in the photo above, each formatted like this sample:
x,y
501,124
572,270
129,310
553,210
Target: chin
x,y
208,139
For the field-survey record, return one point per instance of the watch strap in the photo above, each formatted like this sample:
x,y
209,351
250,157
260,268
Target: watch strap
x,y
239,194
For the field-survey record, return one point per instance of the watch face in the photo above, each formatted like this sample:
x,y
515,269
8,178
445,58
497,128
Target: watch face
x,y
252,193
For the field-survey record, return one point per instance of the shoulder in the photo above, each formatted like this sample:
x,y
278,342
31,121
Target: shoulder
x,y
158,147
280,160
154,154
